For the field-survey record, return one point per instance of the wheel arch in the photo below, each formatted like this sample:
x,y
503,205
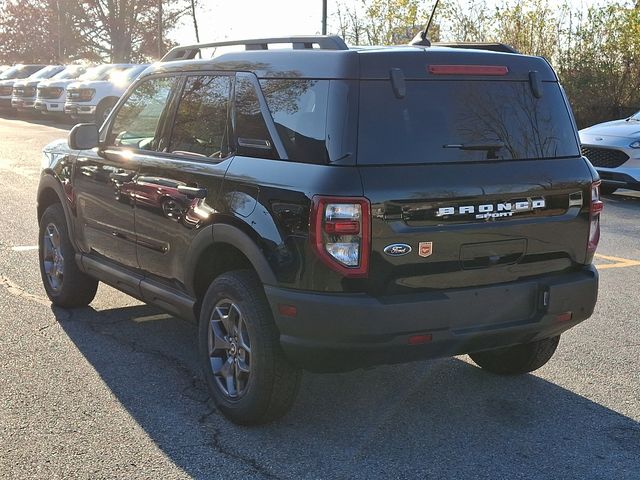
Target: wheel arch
x,y
220,248
107,99
49,192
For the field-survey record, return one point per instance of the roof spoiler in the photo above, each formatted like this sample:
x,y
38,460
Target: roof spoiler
x,y
494,47
322,42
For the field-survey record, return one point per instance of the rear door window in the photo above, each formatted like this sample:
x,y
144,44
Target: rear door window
x,y
462,121
202,123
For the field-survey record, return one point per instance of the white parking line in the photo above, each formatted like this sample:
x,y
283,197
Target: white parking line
x,y
24,248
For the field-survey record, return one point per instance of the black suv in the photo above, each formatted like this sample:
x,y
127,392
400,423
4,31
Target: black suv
x,y
330,208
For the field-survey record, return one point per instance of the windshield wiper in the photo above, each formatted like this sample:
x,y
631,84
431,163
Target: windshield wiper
x,y
476,146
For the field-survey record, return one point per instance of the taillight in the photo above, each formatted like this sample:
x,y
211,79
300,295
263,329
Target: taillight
x,y
340,233
595,208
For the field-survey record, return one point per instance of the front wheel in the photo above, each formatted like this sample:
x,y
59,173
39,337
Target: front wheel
x,y
517,359
247,375
65,284
103,110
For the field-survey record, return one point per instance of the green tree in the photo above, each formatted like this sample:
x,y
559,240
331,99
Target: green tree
x,y
382,22
127,30
38,31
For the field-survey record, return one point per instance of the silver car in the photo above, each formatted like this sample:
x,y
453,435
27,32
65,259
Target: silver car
x,y
614,150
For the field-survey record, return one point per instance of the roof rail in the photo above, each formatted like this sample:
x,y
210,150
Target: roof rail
x,y
494,47
325,42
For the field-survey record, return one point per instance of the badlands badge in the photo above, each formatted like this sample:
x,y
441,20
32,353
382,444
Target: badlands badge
x,y
425,249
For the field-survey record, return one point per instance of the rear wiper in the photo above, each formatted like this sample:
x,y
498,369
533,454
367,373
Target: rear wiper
x,y
476,146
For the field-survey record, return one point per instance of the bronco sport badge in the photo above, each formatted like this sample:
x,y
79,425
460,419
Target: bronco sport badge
x,y
491,210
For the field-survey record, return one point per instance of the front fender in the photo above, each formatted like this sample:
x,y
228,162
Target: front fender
x,y
50,183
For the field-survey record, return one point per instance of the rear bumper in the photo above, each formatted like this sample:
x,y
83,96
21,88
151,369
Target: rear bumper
x,y
336,332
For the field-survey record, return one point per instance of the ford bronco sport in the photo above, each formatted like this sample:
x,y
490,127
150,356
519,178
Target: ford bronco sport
x,y
329,208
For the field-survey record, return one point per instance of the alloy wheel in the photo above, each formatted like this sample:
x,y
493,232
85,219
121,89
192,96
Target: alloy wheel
x,y
52,257
229,349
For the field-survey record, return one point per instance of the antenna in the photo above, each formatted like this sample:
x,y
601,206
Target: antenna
x,y
421,38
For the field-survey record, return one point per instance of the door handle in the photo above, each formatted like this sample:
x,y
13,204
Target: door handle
x,y
194,192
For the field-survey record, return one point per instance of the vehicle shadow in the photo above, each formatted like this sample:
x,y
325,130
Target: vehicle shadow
x,y
438,419
57,121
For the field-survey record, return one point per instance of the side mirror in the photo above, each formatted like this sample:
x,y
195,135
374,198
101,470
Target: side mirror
x,y
84,136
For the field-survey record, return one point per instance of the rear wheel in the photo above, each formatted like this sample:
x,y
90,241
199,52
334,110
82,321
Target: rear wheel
x,y
517,359
247,375
65,284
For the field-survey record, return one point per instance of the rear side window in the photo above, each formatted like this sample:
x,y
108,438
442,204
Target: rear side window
x,y
462,121
137,119
299,110
201,125
251,130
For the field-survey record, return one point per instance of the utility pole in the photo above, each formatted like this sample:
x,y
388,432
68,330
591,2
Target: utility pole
x,y
324,17
195,22
59,33
160,46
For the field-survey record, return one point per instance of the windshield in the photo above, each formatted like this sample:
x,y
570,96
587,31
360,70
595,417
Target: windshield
x,y
96,73
124,76
635,116
133,73
47,72
19,71
72,71
462,121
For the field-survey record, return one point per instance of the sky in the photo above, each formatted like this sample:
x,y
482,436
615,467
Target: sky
x,y
238,19
241,19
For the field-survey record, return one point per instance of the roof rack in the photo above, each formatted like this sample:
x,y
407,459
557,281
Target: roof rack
x,y
325,42
494,47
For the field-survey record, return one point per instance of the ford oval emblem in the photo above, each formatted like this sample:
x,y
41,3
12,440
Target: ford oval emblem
x,y
397,249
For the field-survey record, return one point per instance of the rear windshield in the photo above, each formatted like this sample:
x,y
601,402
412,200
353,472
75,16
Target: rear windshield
x,y
462,121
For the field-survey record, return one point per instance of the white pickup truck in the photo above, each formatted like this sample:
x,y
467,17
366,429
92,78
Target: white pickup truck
x,y
94,99
52,93
25,91
9,77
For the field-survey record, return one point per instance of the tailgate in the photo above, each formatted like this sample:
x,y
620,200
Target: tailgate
x,y
456,225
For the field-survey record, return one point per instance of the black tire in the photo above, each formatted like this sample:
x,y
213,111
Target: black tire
x,y
71,288
517,359
103,109
607,189
272,383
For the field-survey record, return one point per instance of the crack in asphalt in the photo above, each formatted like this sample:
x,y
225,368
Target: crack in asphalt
x,y
196,384
17,291
250,462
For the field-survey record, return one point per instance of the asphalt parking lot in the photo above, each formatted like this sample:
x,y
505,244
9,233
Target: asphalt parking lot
x,y
112,391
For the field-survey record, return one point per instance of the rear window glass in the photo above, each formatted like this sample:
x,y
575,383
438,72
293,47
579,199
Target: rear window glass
x,y
462,121
299,110
252,133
